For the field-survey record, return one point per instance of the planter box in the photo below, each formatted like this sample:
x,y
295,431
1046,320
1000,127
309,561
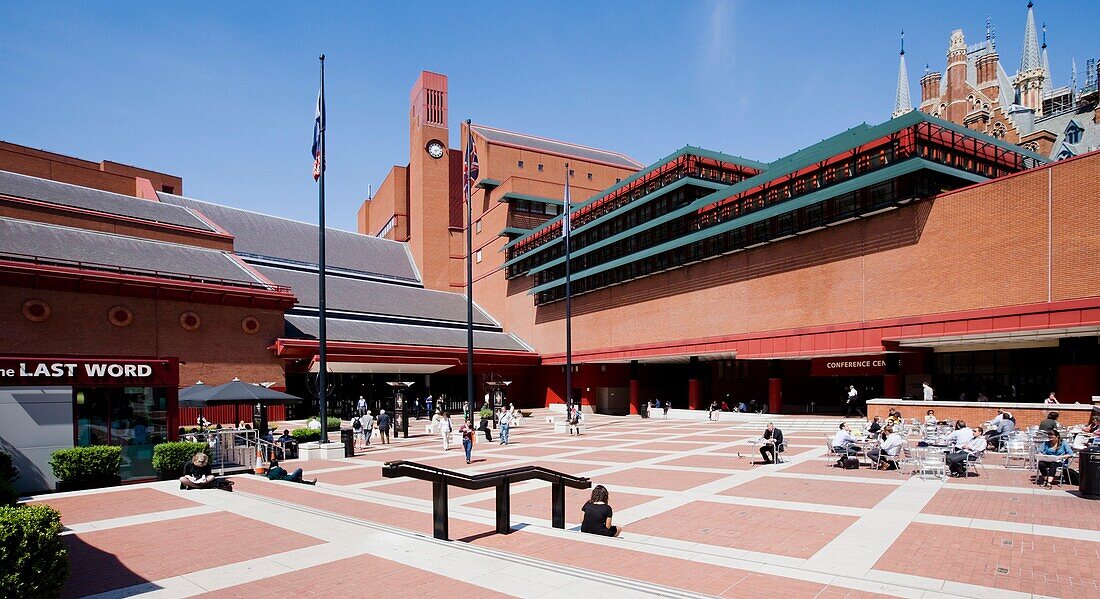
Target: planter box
x,y
170,475
88,483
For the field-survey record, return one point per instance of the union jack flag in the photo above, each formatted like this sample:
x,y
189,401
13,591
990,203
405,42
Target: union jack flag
x,y
469,167
318,127
567,215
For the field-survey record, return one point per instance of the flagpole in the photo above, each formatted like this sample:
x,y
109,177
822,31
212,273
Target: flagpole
x,y
567,233
469,276
322,332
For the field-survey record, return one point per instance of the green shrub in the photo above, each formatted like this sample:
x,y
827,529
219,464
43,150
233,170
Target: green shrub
x,y
334,423
172,457
86,463
305,435
35,561
486,413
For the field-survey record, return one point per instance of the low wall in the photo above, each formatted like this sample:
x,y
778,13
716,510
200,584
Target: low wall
x,y
975,413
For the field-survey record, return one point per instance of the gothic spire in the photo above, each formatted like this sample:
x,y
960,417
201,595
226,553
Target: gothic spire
x,y
1048,84
903,103
1030,59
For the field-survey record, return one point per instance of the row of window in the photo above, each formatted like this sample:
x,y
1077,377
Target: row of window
x,y
572,173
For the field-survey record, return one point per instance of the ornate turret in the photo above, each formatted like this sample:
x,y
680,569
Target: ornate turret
x,y
1029,81
1048,85
903,102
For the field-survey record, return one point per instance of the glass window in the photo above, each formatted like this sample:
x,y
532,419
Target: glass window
x,y
134,418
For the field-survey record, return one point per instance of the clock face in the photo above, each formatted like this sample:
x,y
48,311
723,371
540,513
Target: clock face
x,y
435,149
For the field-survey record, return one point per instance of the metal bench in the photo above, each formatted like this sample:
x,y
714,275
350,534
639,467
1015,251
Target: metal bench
x,y
501,479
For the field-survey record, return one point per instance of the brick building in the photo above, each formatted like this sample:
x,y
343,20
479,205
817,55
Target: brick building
x,y
1025,108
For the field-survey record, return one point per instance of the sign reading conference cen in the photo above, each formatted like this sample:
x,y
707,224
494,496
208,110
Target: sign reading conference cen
x,y
849,366
88,372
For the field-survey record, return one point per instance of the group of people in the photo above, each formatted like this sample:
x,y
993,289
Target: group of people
x,y
364,424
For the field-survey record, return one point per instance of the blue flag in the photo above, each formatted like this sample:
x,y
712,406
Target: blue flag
x,y
318,125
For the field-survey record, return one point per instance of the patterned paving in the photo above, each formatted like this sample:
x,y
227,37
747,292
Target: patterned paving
x,y
700,517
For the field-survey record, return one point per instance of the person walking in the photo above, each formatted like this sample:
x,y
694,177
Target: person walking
x,y
928,394
852,403
384,422
575,421
668,404
467,432
368,426
428,401
361,406
505,425
357,428
445,430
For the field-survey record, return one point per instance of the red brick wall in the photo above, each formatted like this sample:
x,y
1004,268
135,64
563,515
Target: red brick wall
x,y
108,176
980,247
975,416
218,351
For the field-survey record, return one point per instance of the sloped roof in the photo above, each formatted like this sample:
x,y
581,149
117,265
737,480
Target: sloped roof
x,y
358,331
75,196
374,297
130,255
553,146
274,237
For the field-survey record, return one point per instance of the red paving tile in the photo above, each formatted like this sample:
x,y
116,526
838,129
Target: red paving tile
x,y
710,460
121,557
419,489
672,445
585,443
360,576
536,503
1034,563
826,467
1052,508
651,478
785,532
530,450
825,492
116,504
354,476
310,465
995,476
616,456
390,516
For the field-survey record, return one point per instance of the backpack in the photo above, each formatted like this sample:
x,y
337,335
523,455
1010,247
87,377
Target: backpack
x,y
851,464
356,424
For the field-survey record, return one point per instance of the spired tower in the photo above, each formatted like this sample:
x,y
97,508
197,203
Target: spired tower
x,y
1031,78
903,102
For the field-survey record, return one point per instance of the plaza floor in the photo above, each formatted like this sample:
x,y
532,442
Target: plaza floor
x,y
700,520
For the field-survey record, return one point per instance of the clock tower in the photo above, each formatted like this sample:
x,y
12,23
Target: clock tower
x,y
429,179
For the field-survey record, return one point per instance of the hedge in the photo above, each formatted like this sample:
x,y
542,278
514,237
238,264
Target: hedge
x,y
172,457
35,561
7,475
305,435
7,469
84,463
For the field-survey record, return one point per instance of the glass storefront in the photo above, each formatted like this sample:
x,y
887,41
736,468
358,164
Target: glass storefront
x,y
133,418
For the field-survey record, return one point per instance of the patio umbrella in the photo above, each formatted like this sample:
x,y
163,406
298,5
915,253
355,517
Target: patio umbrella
x,y
237,391
195,396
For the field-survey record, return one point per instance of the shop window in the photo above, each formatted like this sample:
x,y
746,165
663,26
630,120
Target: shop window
x,y
134,418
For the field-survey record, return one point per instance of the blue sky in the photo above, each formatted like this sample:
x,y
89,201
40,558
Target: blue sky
x,y
222,94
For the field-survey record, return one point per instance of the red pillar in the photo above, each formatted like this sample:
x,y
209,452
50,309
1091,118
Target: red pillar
x,y
635,404
891,386
775,395
693,394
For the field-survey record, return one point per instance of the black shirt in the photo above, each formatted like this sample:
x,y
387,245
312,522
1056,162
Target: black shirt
x,y
1048,425
383,421
595,518
874,428
197,471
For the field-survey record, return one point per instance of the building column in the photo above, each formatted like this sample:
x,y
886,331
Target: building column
x,y
891,386
1078,369
635,403
775,387
693,383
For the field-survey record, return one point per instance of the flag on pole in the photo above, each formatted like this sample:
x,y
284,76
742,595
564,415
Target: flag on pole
x,y
318,125
565,224
469,166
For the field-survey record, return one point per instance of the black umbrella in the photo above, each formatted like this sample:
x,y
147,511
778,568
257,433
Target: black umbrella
x,y
195,396
237,391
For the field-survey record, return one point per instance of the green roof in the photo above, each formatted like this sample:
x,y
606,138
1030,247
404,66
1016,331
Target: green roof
x,y
635,204
890,172
684,151
512,231
796,161
511,195
487,183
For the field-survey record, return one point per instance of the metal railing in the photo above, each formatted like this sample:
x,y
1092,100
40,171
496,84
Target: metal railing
x,y
237,449
501,479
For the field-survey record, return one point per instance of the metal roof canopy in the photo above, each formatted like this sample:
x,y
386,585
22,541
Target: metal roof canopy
x,y
828,148
1033,338
890,172
684,151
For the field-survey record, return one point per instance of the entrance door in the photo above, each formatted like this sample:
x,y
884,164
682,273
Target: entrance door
x,y
613,400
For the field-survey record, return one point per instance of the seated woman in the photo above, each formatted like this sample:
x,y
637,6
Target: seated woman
x,y
597,515
277,472
930,418
197,473
1057,447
